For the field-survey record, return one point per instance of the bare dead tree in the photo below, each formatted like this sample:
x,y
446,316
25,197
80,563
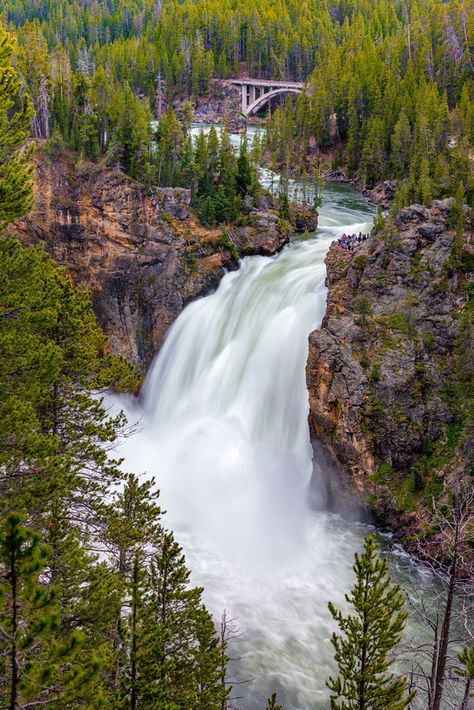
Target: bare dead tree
x,y
448,613
40,121
229,633
160,95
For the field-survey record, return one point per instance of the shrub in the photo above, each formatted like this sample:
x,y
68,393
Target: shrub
x,y
227,242
374,375
383,474
364,308
417,479
359,262
166,217
398,321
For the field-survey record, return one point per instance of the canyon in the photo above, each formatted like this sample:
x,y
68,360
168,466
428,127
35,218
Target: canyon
x,y
377,368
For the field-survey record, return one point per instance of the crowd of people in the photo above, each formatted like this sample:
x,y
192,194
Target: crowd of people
x,y
349,241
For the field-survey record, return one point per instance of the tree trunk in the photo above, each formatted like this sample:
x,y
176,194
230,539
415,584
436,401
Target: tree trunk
x,y
133,650
467,693
14,642
444,638
363,662
434,665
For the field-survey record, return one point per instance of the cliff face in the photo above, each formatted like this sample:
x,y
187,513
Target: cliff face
x,y
381,372
142,256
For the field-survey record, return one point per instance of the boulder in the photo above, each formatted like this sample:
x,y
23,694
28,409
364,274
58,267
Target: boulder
x,y
304,218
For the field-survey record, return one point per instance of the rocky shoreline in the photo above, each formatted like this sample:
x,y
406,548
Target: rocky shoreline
x,y
381,194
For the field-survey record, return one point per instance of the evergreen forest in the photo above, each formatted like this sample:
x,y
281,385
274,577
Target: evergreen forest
x,y
389,84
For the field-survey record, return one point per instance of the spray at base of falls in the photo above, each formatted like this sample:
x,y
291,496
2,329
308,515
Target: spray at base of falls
x,y
224,429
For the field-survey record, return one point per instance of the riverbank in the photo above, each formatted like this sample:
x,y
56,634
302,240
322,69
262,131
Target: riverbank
x,y
381,194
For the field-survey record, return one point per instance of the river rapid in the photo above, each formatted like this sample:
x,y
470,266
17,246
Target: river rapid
x,y
223,427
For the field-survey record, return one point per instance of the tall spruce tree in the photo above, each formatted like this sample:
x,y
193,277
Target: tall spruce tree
x,y
15,117
244,177
38,662
175,657
369,635
168,652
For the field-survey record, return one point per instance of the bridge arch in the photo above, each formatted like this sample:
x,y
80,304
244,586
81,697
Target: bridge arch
x,y
256,93
265,98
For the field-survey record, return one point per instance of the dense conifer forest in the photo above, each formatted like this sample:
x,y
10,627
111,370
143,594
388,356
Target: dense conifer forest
x,y
96,604
390,84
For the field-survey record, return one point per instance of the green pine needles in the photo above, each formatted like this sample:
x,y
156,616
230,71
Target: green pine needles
x,y
368,636
15,117
38,663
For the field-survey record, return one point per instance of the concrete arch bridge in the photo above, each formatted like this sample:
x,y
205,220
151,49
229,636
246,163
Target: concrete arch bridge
x,y
257,93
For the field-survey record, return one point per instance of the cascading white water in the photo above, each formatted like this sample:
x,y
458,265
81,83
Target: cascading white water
x,y
224,428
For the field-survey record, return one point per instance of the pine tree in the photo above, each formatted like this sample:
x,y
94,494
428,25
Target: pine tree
x,y
175,657
401,142
37,662
16,195
244,170
284,206
369,635
272,703
227,200
168,629
133,521
207,211
425,187
373,153
170,139
89,596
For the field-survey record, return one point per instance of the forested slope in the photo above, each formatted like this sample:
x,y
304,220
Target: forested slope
x,y
397,76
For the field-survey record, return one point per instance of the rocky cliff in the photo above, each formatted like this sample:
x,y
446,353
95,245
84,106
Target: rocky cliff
x,y
390,371
143,256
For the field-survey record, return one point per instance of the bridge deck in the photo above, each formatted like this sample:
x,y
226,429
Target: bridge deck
x,y
267,82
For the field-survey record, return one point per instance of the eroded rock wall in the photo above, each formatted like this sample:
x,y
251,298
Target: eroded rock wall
x,y
143,256
380,367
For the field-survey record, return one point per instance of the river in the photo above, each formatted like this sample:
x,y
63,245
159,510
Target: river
x,y
224,429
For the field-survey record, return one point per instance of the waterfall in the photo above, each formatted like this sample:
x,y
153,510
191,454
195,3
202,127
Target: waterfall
x,y
223,419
